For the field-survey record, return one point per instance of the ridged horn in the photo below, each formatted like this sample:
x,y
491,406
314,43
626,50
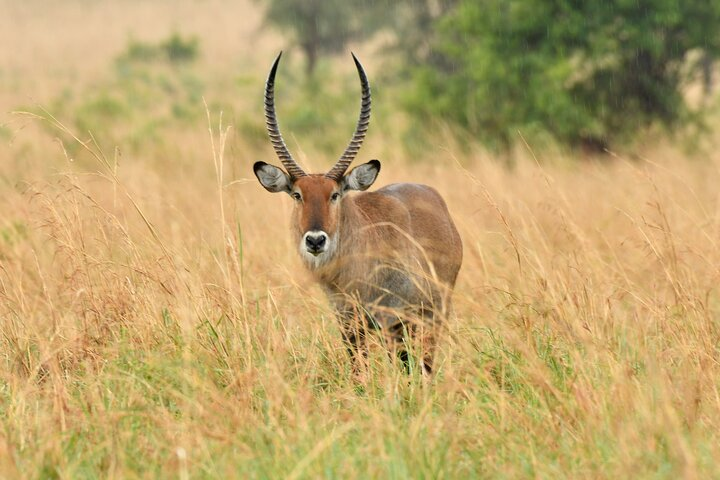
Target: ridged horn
x,y
352,149
293,169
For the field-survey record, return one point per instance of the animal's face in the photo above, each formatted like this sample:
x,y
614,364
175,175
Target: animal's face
x,y
317,210
316,217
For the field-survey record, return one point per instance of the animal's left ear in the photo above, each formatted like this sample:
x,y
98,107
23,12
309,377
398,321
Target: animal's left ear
x,y
361,177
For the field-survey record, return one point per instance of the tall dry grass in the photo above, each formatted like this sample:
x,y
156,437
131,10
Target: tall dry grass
x,y
157,323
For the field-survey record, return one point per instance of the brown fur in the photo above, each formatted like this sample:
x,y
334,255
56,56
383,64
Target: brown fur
x,y
397,257
317,213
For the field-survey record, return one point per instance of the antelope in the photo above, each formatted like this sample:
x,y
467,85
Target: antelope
x,y
387,259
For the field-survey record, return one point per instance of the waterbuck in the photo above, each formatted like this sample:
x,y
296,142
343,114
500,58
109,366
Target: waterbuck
x,y
387,259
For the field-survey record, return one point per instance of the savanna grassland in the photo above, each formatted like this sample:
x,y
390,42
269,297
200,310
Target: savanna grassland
x,y
155,320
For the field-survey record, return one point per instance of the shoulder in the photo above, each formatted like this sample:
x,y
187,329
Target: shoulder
x,y
395,189
412,193
378,200
409,191
399,197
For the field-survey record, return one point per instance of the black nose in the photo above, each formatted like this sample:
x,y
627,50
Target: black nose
x,y
315,243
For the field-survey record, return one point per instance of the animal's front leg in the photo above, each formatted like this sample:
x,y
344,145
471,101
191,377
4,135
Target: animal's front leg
x,y
354,327
425,336
396,332
406,332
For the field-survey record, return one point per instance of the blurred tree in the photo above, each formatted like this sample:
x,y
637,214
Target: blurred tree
x,y
707,74
413,21
326,26
584,72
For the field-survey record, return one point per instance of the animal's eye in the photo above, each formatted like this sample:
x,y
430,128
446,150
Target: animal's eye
x,y
334,197
296,196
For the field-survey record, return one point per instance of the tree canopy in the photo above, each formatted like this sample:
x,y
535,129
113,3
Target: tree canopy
x,y
583,72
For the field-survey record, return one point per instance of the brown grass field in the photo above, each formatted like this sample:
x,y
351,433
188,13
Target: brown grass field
x,y
155,320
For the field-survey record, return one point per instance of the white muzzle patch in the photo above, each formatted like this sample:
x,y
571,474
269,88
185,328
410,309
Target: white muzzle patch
x,y
316,247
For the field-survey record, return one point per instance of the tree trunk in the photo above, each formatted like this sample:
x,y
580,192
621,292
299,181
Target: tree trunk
x,y
311,43
311,54
707,74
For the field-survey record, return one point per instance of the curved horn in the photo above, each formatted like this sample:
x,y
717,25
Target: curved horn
x,y
274,130
352,149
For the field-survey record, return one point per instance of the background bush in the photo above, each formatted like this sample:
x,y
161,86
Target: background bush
x,y
586,73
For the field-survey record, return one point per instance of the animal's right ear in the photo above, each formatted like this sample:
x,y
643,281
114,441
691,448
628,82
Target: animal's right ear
x,y
272,178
